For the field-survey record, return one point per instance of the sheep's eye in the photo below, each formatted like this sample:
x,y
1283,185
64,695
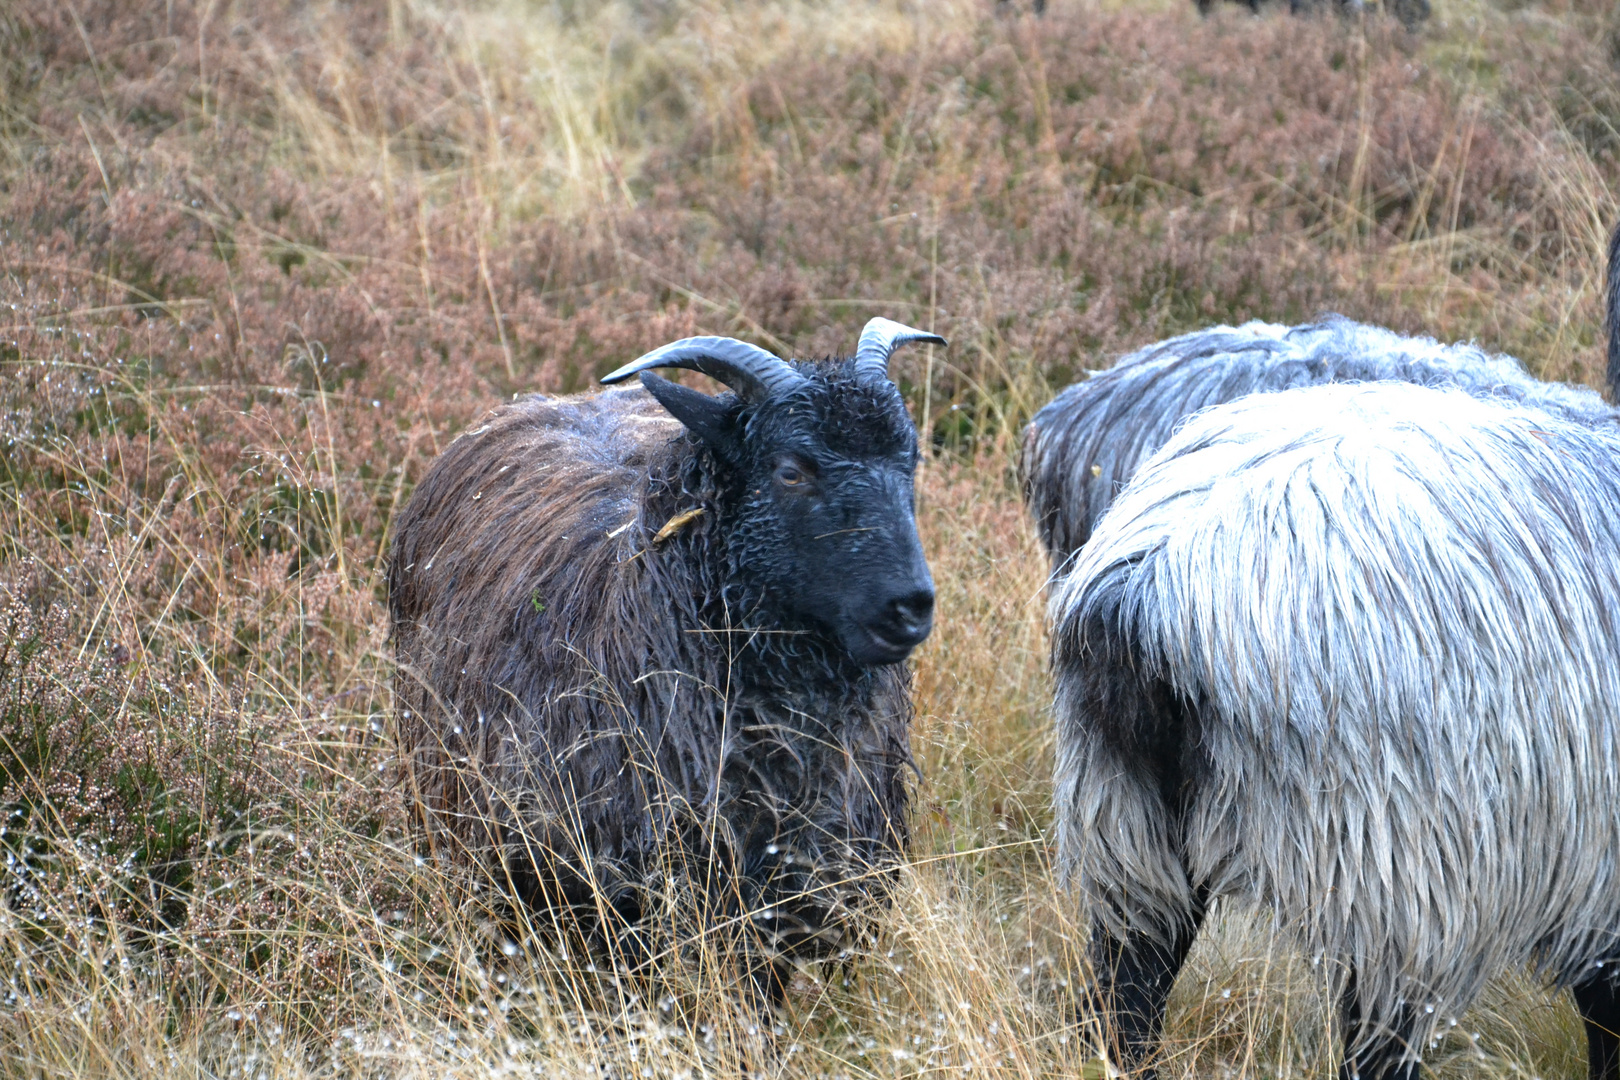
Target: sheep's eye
x,y
792,473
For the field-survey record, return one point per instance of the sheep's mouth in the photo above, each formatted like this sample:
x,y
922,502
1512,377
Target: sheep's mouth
x,y
890,644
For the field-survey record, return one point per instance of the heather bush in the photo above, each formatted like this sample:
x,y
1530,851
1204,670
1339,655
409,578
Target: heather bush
x,y
260,262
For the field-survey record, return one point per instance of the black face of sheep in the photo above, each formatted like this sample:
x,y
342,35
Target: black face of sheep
x,y
650,636
822,475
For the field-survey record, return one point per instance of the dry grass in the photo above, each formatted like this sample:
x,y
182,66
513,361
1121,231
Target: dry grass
x,y
260,261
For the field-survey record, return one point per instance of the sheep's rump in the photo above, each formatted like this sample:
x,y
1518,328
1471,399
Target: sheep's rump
x,y
1087,443
1369,631
593,704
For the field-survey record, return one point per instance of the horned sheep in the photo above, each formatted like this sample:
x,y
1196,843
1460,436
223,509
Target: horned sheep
x,y
650,631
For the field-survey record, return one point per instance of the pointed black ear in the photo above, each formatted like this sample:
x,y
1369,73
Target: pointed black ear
x,y
704,416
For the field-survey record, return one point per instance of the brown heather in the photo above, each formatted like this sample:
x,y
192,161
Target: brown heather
x,y
259,262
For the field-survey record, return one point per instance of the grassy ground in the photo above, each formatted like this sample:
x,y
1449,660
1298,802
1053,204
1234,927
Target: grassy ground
x,y
260,261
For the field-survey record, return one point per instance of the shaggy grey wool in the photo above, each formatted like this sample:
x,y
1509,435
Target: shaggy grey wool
x,y
1083,447
1386,615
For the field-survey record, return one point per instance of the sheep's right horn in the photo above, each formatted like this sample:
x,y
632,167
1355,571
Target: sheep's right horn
x,y
748,369
881,337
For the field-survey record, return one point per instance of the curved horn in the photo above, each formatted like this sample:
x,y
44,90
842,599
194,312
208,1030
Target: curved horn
x,y
880,338
748,369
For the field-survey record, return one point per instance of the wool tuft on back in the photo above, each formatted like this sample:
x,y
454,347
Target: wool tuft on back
x,y
1087,443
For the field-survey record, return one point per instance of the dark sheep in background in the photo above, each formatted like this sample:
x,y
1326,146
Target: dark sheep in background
x,y
1087,443
1611,310
1349,653
1409,12
650,632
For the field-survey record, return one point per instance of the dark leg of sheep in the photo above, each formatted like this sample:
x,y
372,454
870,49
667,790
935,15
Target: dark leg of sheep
x,y
1599,1002
770,983
1382,1059
1134,977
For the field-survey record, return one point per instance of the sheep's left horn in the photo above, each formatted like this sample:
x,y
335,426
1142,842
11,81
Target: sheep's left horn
x,y
748,369
881,337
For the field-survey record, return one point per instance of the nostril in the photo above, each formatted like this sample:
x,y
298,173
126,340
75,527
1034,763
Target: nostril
x,y
915,609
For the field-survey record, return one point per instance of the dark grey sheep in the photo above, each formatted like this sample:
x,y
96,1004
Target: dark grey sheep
x,y
650,633
1409,12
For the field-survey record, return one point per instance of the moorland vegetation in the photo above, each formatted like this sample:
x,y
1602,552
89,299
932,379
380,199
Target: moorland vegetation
x,y
260,262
